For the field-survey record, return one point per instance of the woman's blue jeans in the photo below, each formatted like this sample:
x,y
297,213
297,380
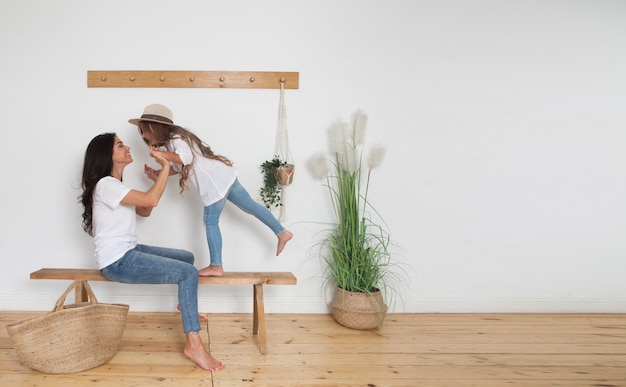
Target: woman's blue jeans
x,y
159,265
241,198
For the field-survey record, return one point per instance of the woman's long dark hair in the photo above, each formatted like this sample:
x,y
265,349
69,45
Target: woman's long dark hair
x,y
164,133
98,164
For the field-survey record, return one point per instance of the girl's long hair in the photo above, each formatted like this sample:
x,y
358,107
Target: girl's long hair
x,y
163,133
98,164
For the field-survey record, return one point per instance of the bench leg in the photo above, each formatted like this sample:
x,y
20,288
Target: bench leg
x,y
258,316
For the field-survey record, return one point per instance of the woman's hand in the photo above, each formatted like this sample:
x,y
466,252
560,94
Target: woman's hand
x,y
159,157
150,172
144,202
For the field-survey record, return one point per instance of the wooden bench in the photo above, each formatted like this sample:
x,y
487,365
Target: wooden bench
x,y
256,279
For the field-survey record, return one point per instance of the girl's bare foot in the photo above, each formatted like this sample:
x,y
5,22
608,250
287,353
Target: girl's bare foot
x,y
201,317
211,271
283,238
195,350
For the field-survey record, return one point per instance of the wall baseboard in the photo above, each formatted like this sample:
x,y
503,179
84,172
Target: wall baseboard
x,y
241,304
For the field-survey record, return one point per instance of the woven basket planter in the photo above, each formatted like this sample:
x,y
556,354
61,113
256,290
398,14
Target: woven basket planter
x,y
358,310
285,174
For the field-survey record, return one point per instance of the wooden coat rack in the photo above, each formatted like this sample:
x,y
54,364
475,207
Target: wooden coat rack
x,y
193,79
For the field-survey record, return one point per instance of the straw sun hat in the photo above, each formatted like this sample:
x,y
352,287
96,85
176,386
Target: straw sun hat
x,y
155,113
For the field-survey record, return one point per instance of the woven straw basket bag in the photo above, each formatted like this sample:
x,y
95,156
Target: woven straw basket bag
x,y
70,338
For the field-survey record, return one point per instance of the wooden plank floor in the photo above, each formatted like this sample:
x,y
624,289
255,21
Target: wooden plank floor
x,y
433,350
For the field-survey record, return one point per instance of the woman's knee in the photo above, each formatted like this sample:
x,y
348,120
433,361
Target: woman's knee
x,y
189,257
189,271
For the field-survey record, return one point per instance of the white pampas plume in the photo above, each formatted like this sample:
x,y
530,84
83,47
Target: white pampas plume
x,y
350,163
338,137
360,121
376,156
319,165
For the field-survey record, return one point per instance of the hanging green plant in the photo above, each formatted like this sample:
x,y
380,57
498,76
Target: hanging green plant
x,y
271,189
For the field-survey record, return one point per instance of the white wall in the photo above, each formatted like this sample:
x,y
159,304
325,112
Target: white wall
x,y
504,184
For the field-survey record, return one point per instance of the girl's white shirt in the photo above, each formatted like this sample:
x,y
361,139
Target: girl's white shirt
x,y
212,178
113,222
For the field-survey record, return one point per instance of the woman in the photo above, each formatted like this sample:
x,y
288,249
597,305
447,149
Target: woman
x,y
110,210
213,175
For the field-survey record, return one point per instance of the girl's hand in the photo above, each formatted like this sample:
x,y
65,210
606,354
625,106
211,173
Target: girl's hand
x,y
150,172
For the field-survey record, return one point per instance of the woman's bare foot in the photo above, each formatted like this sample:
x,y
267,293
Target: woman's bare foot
x,y
195,350
284,237
211,271
201,317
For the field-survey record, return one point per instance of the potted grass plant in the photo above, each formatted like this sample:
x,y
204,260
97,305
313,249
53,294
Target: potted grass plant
x,y
355,249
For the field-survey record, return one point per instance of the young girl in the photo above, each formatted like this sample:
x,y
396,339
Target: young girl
x,y
110,209
213,175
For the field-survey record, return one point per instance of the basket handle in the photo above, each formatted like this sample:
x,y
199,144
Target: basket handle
x,y
75,286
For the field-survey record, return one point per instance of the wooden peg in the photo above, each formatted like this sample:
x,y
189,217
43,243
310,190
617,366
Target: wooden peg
x,y
221,79
132,79
161,78
103,78
251,79
192,78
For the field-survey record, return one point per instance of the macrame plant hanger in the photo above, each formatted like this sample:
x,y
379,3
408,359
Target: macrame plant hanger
x,y
281,150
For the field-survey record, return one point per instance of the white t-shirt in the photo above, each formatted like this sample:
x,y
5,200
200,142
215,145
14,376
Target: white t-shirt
x,y
212,178
113,222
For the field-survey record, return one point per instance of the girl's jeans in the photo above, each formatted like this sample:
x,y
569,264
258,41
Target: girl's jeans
x,y
158,265
239,197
